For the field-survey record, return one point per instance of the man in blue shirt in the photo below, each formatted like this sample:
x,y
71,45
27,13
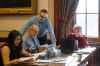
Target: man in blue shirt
x,y
46,34
31,42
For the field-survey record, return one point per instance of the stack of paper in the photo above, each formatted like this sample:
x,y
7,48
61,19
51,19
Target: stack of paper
x,y
86,50
24,59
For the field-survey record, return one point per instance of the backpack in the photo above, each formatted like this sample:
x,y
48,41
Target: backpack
x,y
67,45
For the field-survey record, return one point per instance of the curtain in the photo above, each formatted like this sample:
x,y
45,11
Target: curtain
x,y
64,13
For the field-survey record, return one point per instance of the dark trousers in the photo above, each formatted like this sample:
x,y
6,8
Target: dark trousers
x,y
43,40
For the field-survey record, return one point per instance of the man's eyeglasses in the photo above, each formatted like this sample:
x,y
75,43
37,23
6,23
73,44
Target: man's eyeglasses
x,y
43,17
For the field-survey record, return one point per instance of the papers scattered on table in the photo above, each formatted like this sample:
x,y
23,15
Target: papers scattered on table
x,y
72,64
44,46
43,61
34,57
39,54
86,50
53,60
56,60
24,59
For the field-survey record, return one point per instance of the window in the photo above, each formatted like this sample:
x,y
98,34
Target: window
x,y
87,16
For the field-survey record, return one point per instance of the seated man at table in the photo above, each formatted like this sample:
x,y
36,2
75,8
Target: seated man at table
x,y
31,42
76,34
73,40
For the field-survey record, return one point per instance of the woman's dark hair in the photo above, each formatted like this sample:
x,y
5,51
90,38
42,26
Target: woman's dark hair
x,y
12,36
14,50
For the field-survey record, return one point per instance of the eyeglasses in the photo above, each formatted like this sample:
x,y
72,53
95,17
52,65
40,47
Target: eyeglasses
x,y
43,17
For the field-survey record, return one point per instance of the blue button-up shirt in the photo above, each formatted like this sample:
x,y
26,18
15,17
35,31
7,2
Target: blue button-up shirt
x,y
31,43
44,27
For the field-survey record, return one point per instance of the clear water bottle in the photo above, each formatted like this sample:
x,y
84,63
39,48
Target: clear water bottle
x,y
76,44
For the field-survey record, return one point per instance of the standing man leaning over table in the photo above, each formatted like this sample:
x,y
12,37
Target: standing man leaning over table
x,y
46,34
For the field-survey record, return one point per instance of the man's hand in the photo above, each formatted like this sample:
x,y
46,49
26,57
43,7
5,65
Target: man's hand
x,y
40,49
48,36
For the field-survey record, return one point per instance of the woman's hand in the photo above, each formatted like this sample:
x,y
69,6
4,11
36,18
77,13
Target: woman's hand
x,y
15,61
24,59
29,54
26,53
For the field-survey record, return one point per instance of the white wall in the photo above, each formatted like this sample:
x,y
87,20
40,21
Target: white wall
x,y
8,23
51,10
42,4
49,5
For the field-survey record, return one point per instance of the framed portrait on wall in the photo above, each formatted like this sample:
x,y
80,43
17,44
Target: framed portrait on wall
x,y
18,6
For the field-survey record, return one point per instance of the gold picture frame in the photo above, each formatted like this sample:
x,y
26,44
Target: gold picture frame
x,y
25,10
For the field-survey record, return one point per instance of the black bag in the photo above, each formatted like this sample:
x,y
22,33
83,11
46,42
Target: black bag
x,y
43,40
67,45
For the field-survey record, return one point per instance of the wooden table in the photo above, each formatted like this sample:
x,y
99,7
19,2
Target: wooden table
x,y
87,58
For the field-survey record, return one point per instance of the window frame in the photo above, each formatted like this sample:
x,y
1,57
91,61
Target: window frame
x,y
86,13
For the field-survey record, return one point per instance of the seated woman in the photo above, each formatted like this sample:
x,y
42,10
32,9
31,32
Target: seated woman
x,y
31,43
77,35
12,50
